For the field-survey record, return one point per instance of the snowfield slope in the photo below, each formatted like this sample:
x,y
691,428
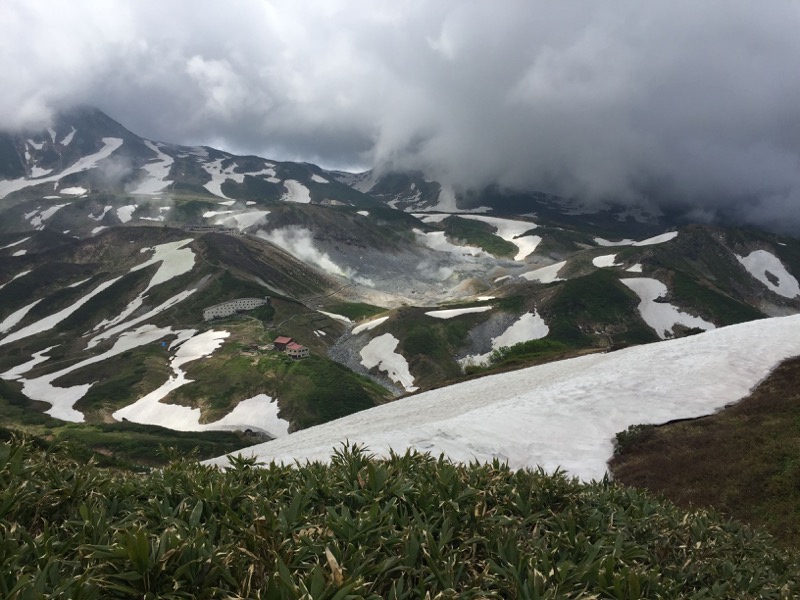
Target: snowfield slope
x,y
564,414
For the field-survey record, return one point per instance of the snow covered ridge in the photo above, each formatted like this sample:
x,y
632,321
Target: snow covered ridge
x,y
563,414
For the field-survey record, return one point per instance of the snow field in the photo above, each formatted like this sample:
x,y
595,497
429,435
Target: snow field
x,y
296,192
380,353
661,316
547,274
125,213
657,239
760,262
335,317
369,325
605,261
14,318
563,414
455,312
74,191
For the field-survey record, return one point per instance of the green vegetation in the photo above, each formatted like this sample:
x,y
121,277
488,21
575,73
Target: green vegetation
x,y
596,303
526,352
480,234
355,311
743,461
724,310
430,344
521,355
316,390
408,527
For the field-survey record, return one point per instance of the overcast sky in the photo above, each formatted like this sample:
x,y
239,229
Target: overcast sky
x,y
691,103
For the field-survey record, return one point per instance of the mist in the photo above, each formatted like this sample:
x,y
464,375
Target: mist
x,y
689,106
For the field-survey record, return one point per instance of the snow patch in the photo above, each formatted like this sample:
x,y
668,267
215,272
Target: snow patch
x,y
67,139
14,318
380,353
529,326
74,191
760,262
150,409
547,274
296,192
17,276
512,231
125,213
156,172
661,316
54,319
369,325
605,261
455,312
658,239
39,172
17,243
319,179
335,317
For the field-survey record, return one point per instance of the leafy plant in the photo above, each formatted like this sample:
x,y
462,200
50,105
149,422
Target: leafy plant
x,y
411,526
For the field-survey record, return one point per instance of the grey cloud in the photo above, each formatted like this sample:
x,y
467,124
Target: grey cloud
x,y
690,104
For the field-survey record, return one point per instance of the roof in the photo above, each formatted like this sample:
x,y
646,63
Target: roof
x,y
282,339
294,346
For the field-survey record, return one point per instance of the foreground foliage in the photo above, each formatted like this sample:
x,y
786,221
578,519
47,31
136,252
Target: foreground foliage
x,y
408,527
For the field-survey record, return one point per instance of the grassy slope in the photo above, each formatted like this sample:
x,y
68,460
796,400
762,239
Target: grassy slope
x,y
595,303
743,461
406,528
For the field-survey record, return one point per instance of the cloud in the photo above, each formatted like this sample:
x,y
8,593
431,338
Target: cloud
x,y
690,104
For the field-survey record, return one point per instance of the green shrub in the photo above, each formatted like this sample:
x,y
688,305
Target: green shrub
x,y
407,527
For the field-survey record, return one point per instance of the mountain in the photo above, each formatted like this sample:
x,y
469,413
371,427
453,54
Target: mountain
x,y
113,245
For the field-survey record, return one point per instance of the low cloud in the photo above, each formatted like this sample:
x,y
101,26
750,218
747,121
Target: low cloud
x,y
693,106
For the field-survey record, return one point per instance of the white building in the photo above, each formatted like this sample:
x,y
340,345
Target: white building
x,y
231,307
